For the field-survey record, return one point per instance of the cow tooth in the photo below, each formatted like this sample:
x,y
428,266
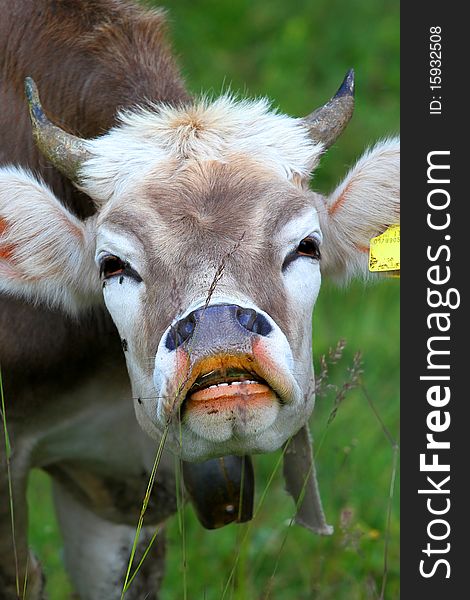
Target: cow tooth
x,y
225,384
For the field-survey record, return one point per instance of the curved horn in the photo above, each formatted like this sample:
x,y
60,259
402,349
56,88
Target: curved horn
x,y
65,151
328,122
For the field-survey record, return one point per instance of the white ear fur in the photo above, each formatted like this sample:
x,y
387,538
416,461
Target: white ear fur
x,y
360,208
46,253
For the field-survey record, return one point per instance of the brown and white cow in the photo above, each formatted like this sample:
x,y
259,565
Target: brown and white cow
x,y
191,223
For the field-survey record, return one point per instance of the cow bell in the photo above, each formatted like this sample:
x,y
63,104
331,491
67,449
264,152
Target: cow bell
x,y
221,490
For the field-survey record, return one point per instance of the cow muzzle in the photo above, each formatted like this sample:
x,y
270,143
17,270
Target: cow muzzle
x,y
224,378
221,376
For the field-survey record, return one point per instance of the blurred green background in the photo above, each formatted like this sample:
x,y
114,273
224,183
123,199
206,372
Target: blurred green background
x,y
297,53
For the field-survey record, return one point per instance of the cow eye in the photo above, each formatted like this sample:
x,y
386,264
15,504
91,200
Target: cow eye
x,y
309,247
112,266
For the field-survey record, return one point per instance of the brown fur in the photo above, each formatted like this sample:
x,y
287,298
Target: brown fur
x,y
89,59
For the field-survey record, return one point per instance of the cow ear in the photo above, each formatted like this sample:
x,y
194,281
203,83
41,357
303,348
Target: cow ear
x,y
362,207
46,254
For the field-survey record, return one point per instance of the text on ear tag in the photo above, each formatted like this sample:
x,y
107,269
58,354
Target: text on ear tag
x,y
384,252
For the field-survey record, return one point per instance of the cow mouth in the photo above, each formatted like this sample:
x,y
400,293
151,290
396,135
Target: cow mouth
x,y
229,384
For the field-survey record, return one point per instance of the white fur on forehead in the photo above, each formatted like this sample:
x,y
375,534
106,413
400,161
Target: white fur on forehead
x,y
206,130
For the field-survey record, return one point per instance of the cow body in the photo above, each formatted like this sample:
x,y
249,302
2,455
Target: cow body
x,y
198,217
49,360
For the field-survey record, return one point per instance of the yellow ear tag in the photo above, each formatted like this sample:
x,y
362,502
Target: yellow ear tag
x,y
384,252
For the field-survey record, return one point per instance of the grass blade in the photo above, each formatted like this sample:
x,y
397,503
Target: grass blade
x,y
144,556
10,488
128,579
395,449
249,525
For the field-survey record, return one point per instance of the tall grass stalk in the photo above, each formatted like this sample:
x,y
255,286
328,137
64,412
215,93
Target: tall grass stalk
x,y
395,449
269,585
250,524
25,584
351,382
144,556
180,508
238,583
129,578
181,515
10,488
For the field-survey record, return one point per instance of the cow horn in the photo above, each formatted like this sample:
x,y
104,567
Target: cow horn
x,y
65,151
328,122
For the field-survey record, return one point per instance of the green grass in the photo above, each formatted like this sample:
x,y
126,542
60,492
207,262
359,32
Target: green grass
x,y
297,54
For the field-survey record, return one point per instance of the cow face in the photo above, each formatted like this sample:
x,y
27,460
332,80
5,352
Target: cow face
x,y
209,246
210,263
212,286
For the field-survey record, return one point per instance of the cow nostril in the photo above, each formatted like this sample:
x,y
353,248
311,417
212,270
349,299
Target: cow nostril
x,y
261,326
246,317
180,332
253,321
186,328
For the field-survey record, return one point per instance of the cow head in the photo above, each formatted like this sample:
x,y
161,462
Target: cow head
x,y
208,248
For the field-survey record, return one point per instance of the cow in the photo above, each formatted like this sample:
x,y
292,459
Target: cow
x,y
160,258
